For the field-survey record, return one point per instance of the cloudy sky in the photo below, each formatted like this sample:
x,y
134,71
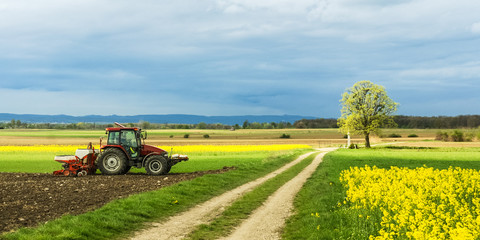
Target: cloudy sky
x,y
236,57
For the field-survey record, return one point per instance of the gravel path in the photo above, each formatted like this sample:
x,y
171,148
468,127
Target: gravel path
x,y
268,220
179,226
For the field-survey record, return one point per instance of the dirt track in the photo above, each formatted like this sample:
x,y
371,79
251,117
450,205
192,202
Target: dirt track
x,y
179,226
268,220
28,199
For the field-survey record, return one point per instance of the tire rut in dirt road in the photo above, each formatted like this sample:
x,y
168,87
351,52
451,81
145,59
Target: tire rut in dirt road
x,y
268,220
179,226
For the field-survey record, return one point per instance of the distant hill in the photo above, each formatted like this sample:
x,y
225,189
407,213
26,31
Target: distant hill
x,y
167,118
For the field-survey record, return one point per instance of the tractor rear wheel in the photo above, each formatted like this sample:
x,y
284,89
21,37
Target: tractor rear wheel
x,y
156,165
112,162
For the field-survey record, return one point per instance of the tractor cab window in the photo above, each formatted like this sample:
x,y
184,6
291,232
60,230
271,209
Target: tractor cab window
x,y
113,138
129,138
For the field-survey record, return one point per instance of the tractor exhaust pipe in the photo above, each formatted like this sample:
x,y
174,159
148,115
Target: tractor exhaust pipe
x,y
120,125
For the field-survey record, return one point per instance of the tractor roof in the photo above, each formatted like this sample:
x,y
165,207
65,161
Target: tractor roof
x,y
116,129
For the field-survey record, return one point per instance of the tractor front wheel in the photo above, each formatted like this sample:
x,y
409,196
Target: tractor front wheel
x,y
156,165
112,162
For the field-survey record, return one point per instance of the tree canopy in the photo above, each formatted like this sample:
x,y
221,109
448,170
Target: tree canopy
x,y
365,108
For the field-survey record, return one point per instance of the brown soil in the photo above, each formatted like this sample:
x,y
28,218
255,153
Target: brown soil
x,y
28,199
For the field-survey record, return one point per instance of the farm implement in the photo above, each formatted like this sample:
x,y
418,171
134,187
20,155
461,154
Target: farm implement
x,y
125,149
81,164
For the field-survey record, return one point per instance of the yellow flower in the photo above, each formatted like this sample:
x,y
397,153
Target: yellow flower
x,y
421,203
174,201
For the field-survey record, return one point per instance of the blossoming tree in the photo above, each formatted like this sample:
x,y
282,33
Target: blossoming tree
x,y
365,108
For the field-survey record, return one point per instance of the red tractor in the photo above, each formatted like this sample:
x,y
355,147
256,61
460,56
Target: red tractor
x,y
124,149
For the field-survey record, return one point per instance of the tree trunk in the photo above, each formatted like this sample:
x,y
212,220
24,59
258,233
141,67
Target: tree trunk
x,y
367,140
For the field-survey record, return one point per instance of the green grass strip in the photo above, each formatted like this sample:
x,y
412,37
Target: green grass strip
x,y
121,217
319,196
243,207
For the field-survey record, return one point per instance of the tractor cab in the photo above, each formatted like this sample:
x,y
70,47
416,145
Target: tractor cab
x,y
128,139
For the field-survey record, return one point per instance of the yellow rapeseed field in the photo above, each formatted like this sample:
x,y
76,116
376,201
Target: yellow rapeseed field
x,y
177,149
421,203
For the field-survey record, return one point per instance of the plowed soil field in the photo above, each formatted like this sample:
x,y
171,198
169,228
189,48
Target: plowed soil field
x,y
28,199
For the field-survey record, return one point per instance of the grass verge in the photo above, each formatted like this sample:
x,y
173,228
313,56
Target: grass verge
x,y
120,217
319,214
244,206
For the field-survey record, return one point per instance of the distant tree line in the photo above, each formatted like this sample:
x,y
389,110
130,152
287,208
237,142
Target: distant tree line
x,y
440,122
17,124
14,124
316,123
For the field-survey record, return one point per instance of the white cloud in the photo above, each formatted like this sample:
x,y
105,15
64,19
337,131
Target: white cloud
x,y
475,28
234,9
267,6
159,27
470,70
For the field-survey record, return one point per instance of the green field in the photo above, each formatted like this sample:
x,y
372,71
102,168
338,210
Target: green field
x,y
319,216
39,162
52,133
43,162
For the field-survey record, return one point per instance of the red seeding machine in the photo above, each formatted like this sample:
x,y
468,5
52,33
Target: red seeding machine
x,y
125,149
81,164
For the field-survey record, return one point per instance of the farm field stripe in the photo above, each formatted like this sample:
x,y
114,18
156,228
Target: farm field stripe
x,y
267,221
179,226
